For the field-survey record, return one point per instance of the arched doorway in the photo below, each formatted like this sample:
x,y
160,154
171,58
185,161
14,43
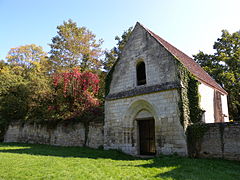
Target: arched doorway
x,y
140,119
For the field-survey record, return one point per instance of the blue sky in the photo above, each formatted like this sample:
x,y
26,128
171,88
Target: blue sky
x,y
190,25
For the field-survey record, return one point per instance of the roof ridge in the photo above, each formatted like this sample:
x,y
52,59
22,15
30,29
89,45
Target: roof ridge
x,y
187,61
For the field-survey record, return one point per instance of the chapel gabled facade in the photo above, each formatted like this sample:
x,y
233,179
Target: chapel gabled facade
x,y
142,114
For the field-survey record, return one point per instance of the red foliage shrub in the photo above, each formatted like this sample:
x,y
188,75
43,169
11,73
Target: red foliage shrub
x,y
78,90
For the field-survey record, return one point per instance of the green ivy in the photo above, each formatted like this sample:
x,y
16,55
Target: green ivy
x,y
189,104
194,100
195,133
108,79
183,91
191,113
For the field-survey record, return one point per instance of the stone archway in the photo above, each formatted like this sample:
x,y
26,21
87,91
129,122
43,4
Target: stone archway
x,y
139,111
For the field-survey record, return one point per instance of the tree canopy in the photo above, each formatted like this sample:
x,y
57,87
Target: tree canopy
x,y
62,87
75,46
26,56
224,67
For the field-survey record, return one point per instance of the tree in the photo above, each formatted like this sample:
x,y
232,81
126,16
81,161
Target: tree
x,y
13,98
112,55
2,64
30,64
28,57
75,47
224,67
75,93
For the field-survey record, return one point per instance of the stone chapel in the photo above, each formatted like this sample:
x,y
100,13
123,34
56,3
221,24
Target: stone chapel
x,y
142,108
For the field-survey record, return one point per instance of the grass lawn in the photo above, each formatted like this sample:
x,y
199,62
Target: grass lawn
x,y
25,161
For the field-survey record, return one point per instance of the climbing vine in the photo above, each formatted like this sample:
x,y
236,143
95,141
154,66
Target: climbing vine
x,y
184,102
108,79
191,113
195,133
189,98
194,100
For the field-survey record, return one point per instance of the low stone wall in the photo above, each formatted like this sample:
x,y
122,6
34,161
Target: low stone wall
x,y
220,140
61,135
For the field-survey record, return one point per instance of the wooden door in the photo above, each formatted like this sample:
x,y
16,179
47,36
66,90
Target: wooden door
x,y
147,137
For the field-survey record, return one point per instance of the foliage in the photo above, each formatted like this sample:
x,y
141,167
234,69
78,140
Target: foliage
x,y
75,47
112,56
25,86
14,105
195,133
191,113
224,67
30,63
102,83
40,97
28,57
189,104
194,100
39,89
22,98
8,80
183,104
13,98
29,92
108,79
25,161
75,93
2,64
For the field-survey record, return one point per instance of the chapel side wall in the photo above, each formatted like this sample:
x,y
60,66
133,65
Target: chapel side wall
x,y
120,131
207,102
160,64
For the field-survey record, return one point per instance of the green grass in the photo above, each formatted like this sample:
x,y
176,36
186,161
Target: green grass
x,y
25,161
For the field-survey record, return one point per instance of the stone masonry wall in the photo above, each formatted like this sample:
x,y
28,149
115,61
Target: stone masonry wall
x,y
141,46
159,98
61,135
121,129
221,140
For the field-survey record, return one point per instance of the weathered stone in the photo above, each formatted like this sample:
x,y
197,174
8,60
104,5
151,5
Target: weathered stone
x,y
158,98
221,140
61,135
145,90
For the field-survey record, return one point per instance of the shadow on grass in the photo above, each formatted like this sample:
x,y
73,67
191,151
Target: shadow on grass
x,y
179,168
47,150
168,167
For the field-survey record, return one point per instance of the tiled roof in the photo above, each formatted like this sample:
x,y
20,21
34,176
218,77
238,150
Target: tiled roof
x,y
188,62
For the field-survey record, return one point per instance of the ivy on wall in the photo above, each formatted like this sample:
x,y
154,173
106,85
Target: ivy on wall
x,y
189,104
194,100
191,113
195,132
108,79
183,104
